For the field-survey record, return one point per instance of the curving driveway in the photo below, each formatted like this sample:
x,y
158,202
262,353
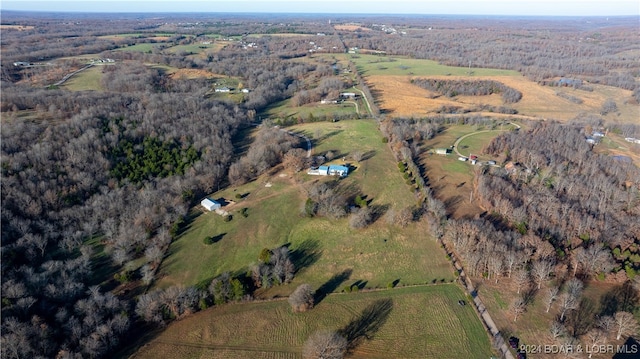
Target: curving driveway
x,y
455,144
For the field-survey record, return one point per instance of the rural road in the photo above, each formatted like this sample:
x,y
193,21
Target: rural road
x,y
304,138
455,144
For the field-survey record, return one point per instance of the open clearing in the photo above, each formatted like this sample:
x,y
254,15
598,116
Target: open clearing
x,y
378,254
283,109
389,78
16,27
399,97
351,28
413,322
191,74
451,179
87,80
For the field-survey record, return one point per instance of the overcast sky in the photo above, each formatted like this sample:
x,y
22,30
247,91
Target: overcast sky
x,y
466,7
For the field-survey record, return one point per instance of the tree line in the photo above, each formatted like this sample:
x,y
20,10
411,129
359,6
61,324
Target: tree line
x,y
452,88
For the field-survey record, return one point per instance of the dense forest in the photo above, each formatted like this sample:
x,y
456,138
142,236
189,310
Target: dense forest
x,y
95,181
559,190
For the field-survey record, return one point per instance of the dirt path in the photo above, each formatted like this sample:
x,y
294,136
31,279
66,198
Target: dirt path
x,y
304,138
490,325
366,100
68,76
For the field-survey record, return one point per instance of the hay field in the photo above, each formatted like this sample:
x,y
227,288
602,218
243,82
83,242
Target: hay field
x,y
17,27
413,322
192,74
399,97
351,28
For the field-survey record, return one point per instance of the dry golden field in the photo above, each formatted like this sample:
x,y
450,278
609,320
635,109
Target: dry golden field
x,y
350,28
16,27
399,97
192,74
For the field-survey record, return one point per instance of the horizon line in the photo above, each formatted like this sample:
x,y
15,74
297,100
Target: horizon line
x,y
177,12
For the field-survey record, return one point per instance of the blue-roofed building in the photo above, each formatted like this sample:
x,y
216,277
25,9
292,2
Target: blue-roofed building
x,y
331,170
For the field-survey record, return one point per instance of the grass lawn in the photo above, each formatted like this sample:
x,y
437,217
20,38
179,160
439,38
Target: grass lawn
x,y
378,254
283,110
475,143
86,80
412,322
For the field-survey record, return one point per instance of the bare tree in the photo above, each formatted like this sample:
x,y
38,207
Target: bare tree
x,y
594,338
495,265
518,307
551,296
520,279
301,299
557,330
567,302
404,216
608,106
574,287
324,345
593,259
606,323
625,324
512,259
361,217
154,254
147,274
295,159
357,155
541,270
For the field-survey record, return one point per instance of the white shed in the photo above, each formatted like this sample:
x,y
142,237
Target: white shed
x,y
209,204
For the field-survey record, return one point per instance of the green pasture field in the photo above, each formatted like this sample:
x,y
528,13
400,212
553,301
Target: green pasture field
x,y
87,80
475,143
413,322
192,48
283,109
144,47
368,65
378,255
140,34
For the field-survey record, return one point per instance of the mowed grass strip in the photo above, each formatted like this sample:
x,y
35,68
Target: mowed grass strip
x,y
86,80
411,322
369,65
379,254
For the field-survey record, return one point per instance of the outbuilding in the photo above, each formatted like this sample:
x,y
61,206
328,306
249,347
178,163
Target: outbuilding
x,y
335,170
210,205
